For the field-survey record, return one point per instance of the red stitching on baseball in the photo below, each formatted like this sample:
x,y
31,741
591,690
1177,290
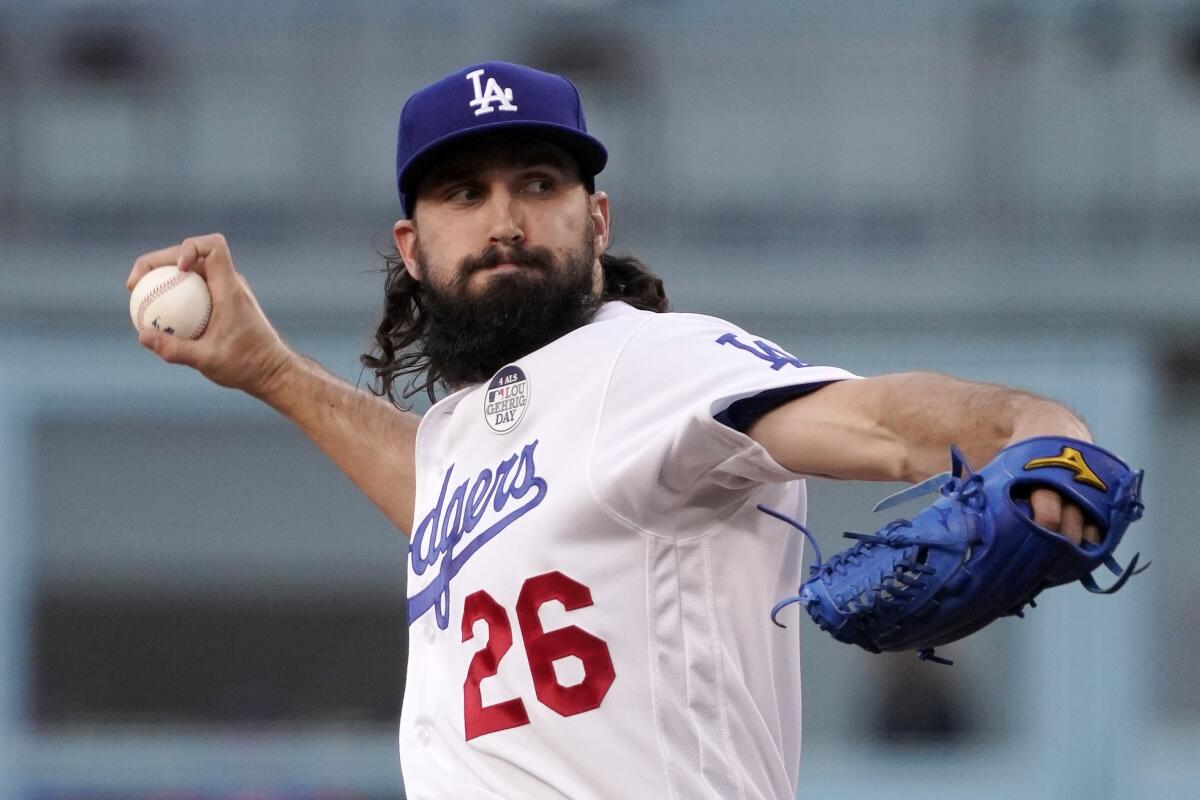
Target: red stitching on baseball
x,y
203,323
163,288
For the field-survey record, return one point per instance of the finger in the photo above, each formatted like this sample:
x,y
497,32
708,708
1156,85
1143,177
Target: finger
x,y
1091,533
1047,508
171,349
207,255
159,258
1072,523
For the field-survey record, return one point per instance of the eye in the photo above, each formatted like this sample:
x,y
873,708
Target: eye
x,y
539,186
463,194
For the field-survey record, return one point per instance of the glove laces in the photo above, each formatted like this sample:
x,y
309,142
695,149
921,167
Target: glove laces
x,y
891,591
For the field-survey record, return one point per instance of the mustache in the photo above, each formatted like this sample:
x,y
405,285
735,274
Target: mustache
x,y
539,258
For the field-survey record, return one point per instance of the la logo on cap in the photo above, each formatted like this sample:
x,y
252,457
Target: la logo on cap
x,y
492,93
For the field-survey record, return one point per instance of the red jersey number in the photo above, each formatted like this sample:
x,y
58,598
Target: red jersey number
x,y
542,649
483,719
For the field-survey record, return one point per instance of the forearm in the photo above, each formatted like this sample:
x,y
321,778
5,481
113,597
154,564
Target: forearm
x,y
900,427
927,413
368,438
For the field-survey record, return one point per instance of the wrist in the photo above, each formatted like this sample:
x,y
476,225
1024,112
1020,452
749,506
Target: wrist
x,y
277,381
1044,418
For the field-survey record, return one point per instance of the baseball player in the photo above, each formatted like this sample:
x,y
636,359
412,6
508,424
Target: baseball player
x,y
589,581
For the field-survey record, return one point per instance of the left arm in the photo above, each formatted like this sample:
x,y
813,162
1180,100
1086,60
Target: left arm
x,y
900,427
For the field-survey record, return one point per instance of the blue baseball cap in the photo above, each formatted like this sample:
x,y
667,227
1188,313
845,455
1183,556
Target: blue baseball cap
x,y
491,96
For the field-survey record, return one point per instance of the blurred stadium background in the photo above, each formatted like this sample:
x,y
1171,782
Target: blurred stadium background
x,y
193,604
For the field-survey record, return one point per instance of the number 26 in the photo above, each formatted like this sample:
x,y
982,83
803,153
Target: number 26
x,y
542,649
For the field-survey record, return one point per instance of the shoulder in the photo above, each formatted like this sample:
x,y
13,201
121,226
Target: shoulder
x,y
676,326
688,339
618,312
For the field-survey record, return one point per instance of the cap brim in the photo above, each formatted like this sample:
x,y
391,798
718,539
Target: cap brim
x,y
589,154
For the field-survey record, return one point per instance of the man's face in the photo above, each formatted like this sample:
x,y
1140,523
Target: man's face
x,y
499,207
505,241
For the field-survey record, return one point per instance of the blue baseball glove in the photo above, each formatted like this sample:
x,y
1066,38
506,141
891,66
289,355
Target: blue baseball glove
x,y
975,554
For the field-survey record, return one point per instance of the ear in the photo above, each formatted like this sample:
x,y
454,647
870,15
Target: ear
x,y
598,210
405,234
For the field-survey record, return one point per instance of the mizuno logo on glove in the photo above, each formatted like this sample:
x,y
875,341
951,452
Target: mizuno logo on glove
x,y
1071,459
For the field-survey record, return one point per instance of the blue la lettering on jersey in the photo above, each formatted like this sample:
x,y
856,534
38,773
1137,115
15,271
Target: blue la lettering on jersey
x,y
449,521
778,359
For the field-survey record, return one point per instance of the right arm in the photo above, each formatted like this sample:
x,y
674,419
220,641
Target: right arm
x,y
368,438
371,440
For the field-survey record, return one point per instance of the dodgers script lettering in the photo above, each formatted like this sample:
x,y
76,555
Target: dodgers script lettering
x,y
463,519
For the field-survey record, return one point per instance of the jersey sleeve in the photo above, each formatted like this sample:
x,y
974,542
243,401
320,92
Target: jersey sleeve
x,y
669,452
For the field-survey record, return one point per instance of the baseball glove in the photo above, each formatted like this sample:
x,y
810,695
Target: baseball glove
x,y
975,554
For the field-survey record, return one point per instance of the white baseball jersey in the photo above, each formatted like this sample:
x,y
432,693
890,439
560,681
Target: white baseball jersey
x,y
589,581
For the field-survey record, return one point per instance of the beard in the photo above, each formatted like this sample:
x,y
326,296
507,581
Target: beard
x,y
468,337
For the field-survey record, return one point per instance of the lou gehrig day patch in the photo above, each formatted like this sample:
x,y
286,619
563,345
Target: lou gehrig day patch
x,y
506,399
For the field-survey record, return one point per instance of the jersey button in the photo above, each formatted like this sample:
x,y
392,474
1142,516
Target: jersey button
x,y
431,632
423,736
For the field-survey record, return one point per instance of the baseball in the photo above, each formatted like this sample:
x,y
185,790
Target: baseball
x,y
171,301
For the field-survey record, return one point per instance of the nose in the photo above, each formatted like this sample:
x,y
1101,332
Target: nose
x,y
506,226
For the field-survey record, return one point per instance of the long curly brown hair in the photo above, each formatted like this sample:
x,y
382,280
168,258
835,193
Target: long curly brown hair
x,y
397,353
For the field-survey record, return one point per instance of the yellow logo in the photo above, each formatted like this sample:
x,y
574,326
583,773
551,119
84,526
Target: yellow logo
x,y
1071,459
